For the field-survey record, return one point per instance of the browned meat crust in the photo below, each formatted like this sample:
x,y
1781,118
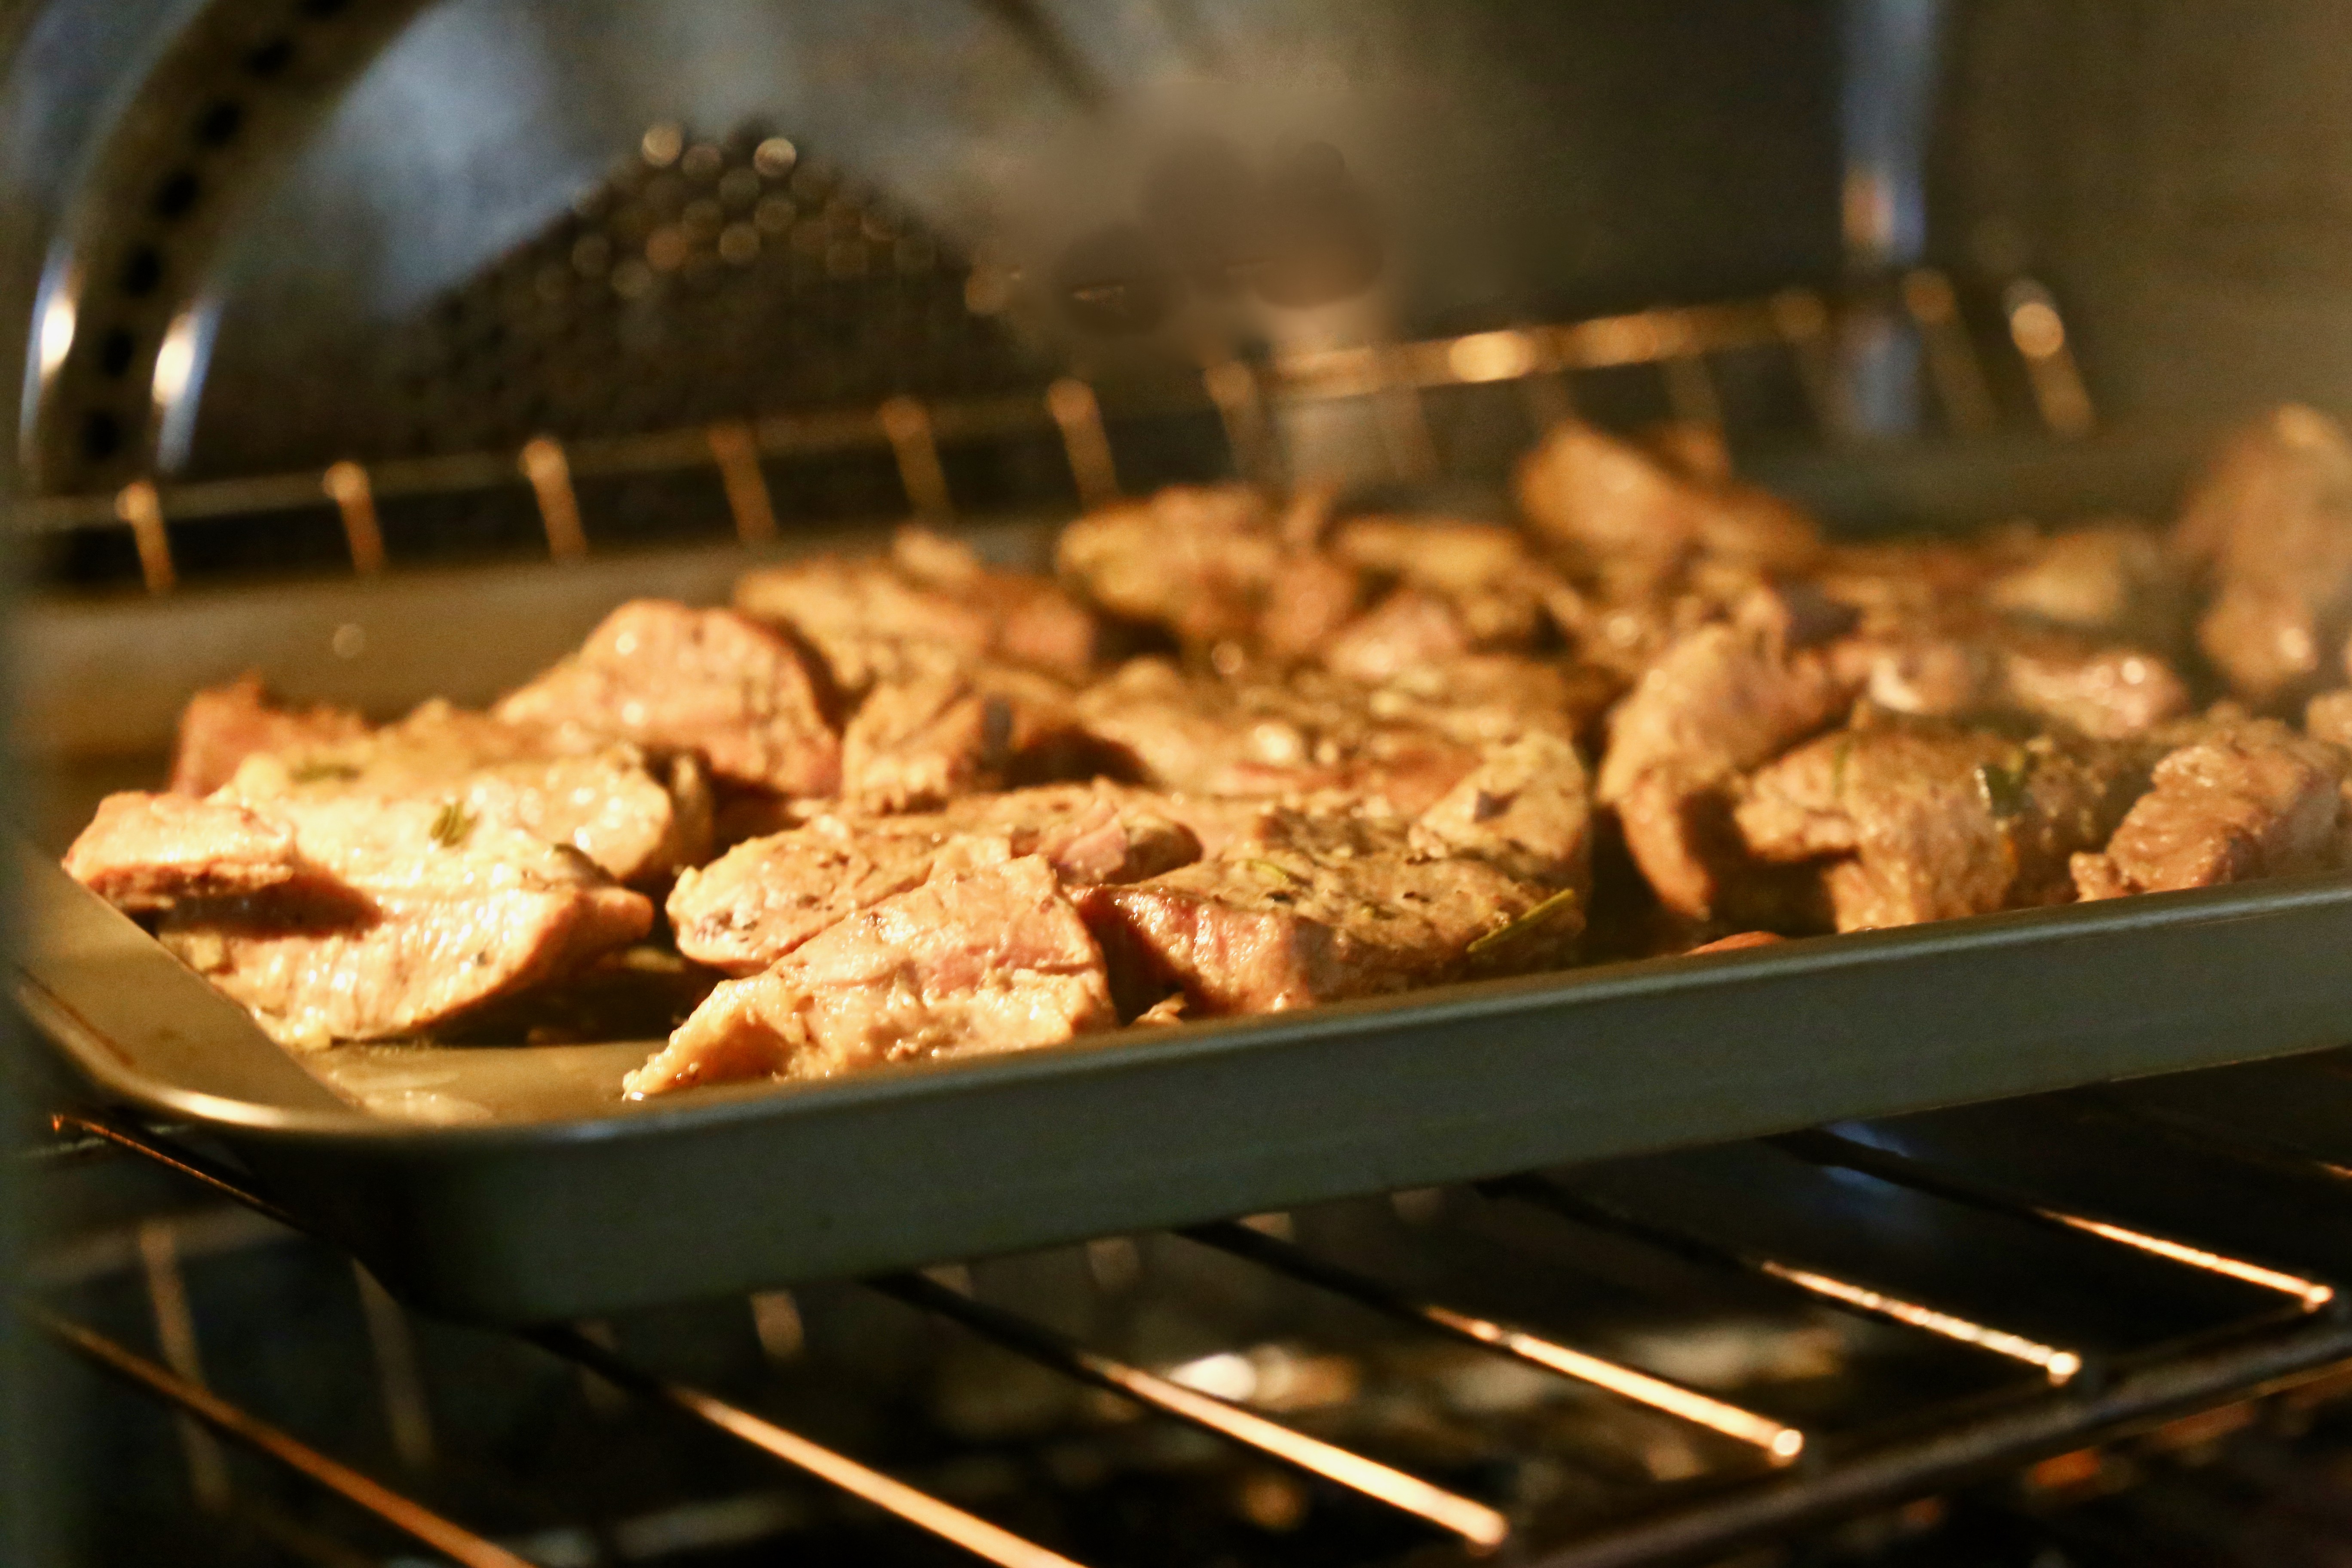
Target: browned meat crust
x,y
868,618
1199,561
676,678
1309,907
2271,526
1210,737
924,736
989,960
144,853
640,816
1640,520
2114,581
1526,810
225,724
763,898
1721,701
2250,798
1923,821
397,916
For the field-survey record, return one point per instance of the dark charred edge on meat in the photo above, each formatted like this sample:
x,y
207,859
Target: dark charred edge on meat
x,y
835,704
642,993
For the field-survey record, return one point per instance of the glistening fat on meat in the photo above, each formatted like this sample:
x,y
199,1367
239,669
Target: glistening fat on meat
x,y
395,917
711,681
763,899
989,960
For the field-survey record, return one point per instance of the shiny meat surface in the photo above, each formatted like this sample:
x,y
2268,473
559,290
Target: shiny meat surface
x,y
1199,561
712,681
223,725
1526,810
927,735
2114,581
407,914
1205,736
1499,592
1916,821
762,899
993,959
868,618
1032,620
2270,524
144,853
640,816
2250,798
1721,701
1629,511
1408,630
1313,907
2108,692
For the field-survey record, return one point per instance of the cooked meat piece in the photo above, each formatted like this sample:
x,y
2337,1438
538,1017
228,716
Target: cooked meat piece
x,y
1921,821
640,817
1722,699
1487,574
2271,525
145,852
404,914
2108,693
676,678
989,960
1916,587
1483,699
763,898
1196,560
1616,503
2113,580
1738,941
1316,907
1691,448
2246,799
1526,810
1409,631
2329,717
2103,691
1929,674
223,725
863,618
924,737
1308,601
1032,620
1210,737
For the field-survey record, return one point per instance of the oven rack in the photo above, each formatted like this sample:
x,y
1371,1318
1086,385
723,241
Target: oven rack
x,y
1679,343
2228,1188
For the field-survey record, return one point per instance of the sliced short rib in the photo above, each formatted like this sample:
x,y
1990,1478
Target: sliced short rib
x,y
989,960
676,679
2251,798
764,897
357,917
1317,907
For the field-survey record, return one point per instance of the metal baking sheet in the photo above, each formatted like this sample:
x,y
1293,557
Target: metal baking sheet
x,y
512,1184
525,1194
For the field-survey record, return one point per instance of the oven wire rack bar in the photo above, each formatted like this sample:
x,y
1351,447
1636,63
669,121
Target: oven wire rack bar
x,y
1679,341
1809,1484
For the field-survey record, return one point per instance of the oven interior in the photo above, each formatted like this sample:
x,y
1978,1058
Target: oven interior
x,y
383,347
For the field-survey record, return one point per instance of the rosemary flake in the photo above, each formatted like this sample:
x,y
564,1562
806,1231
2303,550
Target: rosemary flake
x,y
1527,924
452,824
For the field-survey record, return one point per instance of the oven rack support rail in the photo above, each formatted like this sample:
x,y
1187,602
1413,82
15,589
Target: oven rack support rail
x,y
2081,1402
1679,342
